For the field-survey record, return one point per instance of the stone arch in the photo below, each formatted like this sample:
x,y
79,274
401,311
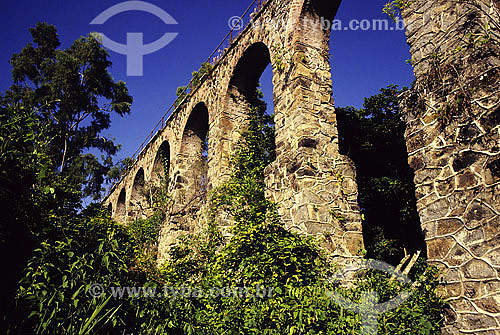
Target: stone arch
x,y
121,209
249,68
161,164
383,218
242,93
191,173
137,196
246,78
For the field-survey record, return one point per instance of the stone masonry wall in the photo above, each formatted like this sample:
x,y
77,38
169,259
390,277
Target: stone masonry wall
x,y
453,117
314,185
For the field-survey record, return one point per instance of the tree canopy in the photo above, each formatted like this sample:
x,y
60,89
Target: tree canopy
x,y
51,123
73,95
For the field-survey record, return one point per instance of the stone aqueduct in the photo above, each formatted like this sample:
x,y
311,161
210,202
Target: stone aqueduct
x,y
453,141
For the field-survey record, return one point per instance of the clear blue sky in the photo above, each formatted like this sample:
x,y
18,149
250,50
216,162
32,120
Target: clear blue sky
x,y
363,61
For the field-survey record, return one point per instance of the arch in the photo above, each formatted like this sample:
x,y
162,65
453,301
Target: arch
x,y
388,215
326,9
120,205
138,182
137,195
244,95
249,69
196,128
161,165
193,152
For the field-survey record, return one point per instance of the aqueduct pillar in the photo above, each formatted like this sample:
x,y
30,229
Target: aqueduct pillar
x,y
453,117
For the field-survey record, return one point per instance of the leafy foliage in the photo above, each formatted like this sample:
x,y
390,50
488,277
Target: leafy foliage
x,y
146,231
73,95
72,251
51,117
262,254
55,289
374,138
392,8
119,169
197,77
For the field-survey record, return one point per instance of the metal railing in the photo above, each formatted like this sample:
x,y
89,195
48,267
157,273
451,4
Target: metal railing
x,y
218,54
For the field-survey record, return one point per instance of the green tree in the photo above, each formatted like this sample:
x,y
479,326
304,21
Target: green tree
x,y
73,95
19,163
374,138
50,119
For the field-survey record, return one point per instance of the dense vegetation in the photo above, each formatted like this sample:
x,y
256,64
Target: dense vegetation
x,y
373,137
50,120
45,172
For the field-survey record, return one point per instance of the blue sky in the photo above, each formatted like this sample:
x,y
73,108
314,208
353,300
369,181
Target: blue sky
x,y
362,61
